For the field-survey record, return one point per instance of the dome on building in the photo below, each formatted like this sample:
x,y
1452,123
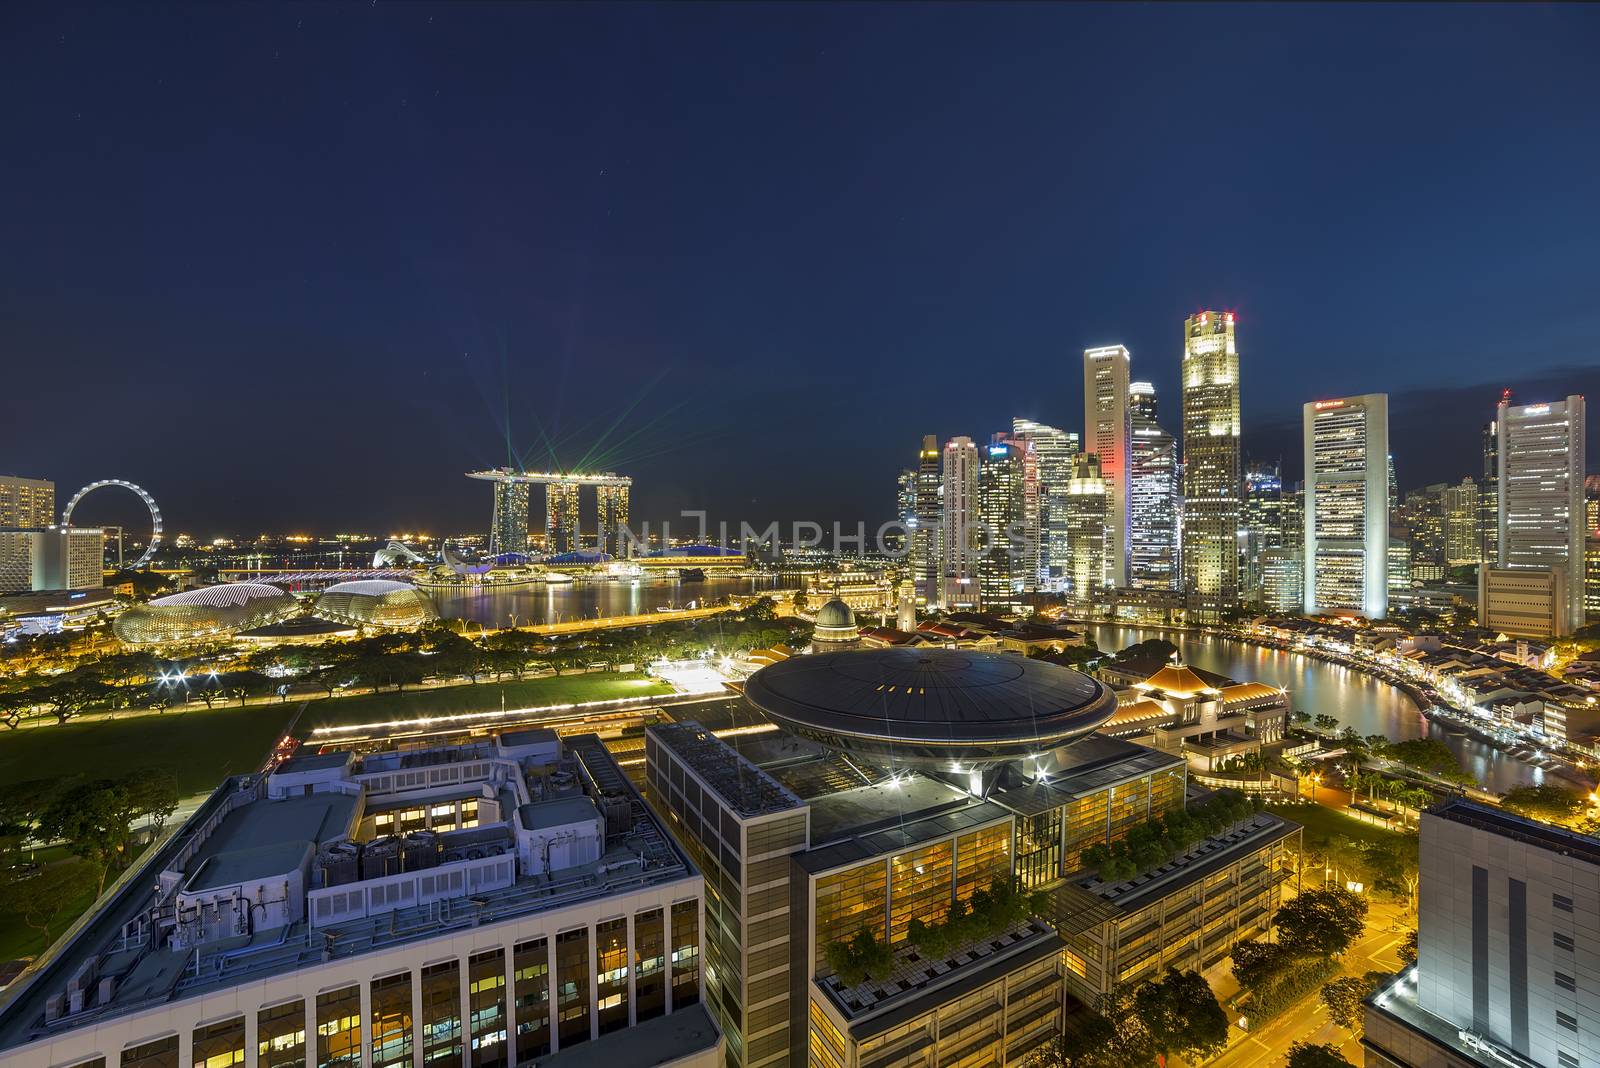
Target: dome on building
x,y
1176,680
835,625
376,603
202,613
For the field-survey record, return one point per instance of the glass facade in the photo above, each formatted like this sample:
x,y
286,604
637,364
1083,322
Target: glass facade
x,y
572,987
219,1045
1039,848
685,954
982,857
486,1008
649,965
847,902
611,987
441,1013
339,1028
162,1053
532,991
281,1036
827,1044
1087,819
391,1021
920,886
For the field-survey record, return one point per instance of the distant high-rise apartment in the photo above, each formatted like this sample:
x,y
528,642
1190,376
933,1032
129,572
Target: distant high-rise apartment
x,y
1541,507
510,531
1347,505
1460,507
960,525
1489,494
925,532
1263,523
27,502
1053,449
1008,565
1106,433
1152,495
1211,476
1086,531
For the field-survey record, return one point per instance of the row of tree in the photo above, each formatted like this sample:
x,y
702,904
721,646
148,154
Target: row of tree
x,y
1153,843
1131,1028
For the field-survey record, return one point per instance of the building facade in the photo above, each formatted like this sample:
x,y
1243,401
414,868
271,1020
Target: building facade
x,y
1085,506
1460,506
926,535
1524,602
1263,524
1489,495
509,534
1054,450
1106,434
1212,478
27,502
1347,505
68,558
1008,509
960,526
1152,495
1540,503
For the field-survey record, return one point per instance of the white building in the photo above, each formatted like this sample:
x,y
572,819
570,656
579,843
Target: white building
x,y
1508,949
1540,501
1106,434
485,904
1347,505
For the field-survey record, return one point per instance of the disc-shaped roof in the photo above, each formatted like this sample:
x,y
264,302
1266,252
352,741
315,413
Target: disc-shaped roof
x,y
947,703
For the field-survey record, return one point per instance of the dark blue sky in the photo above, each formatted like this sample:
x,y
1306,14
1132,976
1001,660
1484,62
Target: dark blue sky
x,y
298,267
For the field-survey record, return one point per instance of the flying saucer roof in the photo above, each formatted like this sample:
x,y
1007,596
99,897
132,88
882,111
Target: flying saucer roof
x,y
931,704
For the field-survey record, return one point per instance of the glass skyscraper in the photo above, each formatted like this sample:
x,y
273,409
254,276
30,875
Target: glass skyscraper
x,y
1211,476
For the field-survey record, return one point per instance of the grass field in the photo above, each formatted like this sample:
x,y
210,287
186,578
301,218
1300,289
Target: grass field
x,y
1323,824
17,939
201,747
483,697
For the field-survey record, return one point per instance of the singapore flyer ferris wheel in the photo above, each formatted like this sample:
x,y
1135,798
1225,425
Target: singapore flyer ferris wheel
x,y
149,502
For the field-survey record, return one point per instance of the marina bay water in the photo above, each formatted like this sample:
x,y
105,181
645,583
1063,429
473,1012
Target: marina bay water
x,y
583,599
1316,686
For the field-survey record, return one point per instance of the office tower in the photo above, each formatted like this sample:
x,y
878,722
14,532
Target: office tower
x,y
1282,579
1591,504
26,502
1489,494
925,533
1054,450
1263,523
1591,577
1086,530
961,532
1008,565
510,531
1394,488
1211,475
1152,495
1526,602
1347,505
1460,509
611,505
1541,506
1294,517
561,529
483,904
905,498
1424,517
1106,434
1399,556
1505,972
68,558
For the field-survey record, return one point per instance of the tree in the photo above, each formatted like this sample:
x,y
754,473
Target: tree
x,y
1407,950
1093,1040
152,793
1182,1015
1343,997
1395,862
1321,922
1307,1055
1428,755
1325,723
41,898
1547,804
95,821
1256,963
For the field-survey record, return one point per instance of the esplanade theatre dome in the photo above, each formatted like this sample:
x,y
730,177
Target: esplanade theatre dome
x,y
376,603
944,709
214,610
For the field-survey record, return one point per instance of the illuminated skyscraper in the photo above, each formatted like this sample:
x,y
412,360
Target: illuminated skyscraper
x,y
925,531
1106,434
1347,505
510,531
1541,507
561,517
1054,450
1008,566
1489,495
1211,476
1460,508
27,502
1152,495
1086,529
1263,524
612,506
961,532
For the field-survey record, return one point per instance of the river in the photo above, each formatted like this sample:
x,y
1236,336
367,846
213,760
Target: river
x,y
1352,697
583,599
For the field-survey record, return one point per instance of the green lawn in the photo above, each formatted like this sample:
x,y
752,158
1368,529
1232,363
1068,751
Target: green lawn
x,y
485,696
200,746
17,939
1323,824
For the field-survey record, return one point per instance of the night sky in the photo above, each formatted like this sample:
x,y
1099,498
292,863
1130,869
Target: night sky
x,y
298,268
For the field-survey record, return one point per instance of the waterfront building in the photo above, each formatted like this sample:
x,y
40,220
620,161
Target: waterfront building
x,y
1347,505
208,612
1283,579
379,604
1460,508
1207,719
1106,433
611,504
926,533
561,521
1054,450
1008,567
1152,495
1212,478
1524,602
509,534
1263,524
959,525
1508,960
1541,505
482,904
1086,530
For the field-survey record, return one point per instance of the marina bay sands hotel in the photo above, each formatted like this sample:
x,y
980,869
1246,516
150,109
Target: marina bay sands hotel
x,y
562,530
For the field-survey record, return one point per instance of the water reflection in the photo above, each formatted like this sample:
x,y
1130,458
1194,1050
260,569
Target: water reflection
x,y
584,599
1353,698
